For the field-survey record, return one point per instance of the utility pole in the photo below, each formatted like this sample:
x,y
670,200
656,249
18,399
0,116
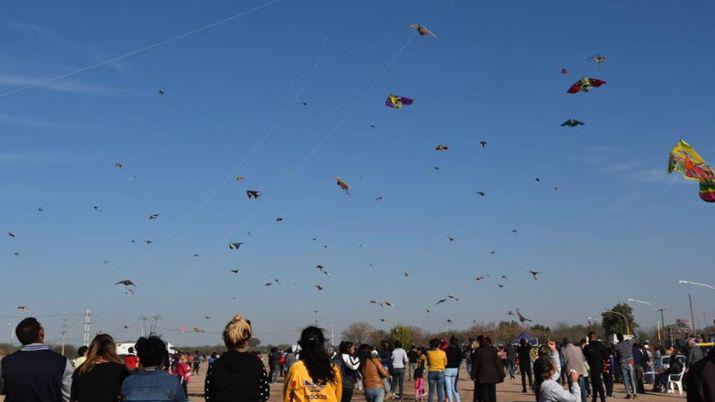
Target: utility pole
x,y
692,316
332,334
143,319
87,325
64,336
12,334
662,323
156,319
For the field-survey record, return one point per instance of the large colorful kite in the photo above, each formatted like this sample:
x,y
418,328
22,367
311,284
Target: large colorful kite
x,y
686,161
396,102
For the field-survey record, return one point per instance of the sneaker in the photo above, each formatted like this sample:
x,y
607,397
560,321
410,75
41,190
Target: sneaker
x,y
628,396
635,396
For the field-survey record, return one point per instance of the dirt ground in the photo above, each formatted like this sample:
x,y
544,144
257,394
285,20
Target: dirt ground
x,y
509,391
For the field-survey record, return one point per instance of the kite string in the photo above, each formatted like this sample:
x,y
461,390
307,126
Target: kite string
x,y
137,51
302,163
210,196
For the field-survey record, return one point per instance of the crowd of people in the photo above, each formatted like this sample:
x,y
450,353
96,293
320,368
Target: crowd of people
x,y
569,371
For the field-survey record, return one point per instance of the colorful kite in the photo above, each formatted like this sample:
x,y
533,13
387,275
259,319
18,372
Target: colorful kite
x,y
564,71
343,185
585,84
396,102
598,59
686,161
422,30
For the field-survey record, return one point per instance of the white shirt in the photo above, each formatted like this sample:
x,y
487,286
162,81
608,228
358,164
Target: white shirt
x,y
551,391
399,358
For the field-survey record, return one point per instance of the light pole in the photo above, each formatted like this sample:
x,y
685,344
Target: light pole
x,y
628,328
690,298
657,327
705,285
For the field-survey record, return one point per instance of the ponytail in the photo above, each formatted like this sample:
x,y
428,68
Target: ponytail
x,y
543,366
315,355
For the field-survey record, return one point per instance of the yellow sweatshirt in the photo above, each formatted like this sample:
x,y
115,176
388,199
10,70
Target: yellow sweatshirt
x,y
436,360
299,387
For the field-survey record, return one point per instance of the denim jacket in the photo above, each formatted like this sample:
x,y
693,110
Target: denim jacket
x,y
152,385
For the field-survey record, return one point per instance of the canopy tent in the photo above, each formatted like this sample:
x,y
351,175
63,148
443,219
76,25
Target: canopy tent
x,y
529,338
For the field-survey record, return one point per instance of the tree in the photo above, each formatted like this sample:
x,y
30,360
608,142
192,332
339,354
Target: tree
x,y
358,333
403,334
614,320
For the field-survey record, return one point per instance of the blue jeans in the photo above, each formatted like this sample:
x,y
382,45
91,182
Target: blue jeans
x,y
582,386
398,378
436,382
451,376
375,394
629,378
512,368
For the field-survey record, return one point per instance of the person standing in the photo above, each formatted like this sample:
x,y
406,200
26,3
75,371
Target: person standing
x,y
511,359
349,365
196,363
385,354
183,371
151,382
701,379
695,354
624,352
274,362
420,373
131,361
451,371
596,356
81,356
575,361
399,361
487,371
638,366
372,372
34,373
314,377
100,377
436,363
238,375
524,353
412,355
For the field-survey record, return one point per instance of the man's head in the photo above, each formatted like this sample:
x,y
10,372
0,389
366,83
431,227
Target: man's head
x,y
152,351
592,336
398,344
619,336
82,351
130,350
30,331
566,340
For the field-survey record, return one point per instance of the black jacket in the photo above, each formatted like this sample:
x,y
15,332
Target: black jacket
x,y
103,383
524,353
237,376
454,357
701,379
33,376
487,368
596,355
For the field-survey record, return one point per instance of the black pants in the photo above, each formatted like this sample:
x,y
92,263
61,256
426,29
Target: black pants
x,y
347,395
597,385
526,371
486,393
608,380
272,374
638,373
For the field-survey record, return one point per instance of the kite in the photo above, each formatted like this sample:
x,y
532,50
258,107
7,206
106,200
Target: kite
x,y
521,317
322,269
235,246
319,287
148,242
240,178
406,274
161,92
500,285
127,283
253,194
153,217
483,143
585,84
556,188
40,210
440,301
504,277
382,320
451,238
441,147
304,103
427,310
598,59
343,185
378,198
686,161
436,168
372,126
97,208
514,230
534,273
22,308
510,313
422,30
492,252
481,277
449,320
119,165
16,254
388,304
537,179
196,254
572,123
11,234
396,102
279,219
199,330
236,271
564,71
373,301
183,329
481,193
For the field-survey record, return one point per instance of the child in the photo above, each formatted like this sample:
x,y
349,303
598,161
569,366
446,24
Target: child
x,y
419,375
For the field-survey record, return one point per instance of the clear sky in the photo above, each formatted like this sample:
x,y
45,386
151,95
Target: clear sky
x,y
617,227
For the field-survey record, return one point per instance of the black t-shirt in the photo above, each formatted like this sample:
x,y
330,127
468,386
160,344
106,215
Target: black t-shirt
x,y
454,357
102,383
412,356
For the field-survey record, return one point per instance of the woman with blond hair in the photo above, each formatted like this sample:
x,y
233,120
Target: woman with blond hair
x,y
237,375
101,375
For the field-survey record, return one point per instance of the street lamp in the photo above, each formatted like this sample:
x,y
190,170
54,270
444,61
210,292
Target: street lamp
x,y
705,285
690,298
628,328
655,311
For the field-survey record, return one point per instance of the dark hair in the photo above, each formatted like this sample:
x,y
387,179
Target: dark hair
x,y
487,341
130,350
398,344
453,341
315,356
434,343
28,331
82,350
152,351
592,336
619,337
542,371
345,347
566,340
364,354
522,342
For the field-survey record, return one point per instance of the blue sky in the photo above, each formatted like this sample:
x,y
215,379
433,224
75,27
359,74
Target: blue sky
x,y
617,227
